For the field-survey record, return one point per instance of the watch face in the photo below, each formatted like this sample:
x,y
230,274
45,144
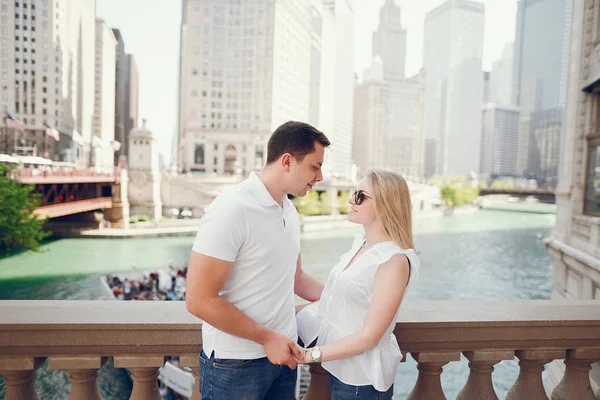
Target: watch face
x,y
316,354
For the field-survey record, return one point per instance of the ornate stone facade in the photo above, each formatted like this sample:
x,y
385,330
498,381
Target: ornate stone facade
x,y
575,242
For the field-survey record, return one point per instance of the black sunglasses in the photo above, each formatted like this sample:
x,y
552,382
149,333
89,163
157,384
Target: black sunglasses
x,y
359,197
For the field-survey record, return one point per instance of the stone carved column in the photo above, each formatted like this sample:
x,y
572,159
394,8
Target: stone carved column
x,y
83,373
529,383
481,363
193,362
575,384
144,371
319,387
19,377
429,386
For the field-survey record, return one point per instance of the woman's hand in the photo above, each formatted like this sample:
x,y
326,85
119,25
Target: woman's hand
x,y
307,359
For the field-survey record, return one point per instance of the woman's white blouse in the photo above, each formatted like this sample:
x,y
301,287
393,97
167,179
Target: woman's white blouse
x,y
342,311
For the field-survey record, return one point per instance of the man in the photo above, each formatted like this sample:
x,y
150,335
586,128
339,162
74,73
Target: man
x,y
245,268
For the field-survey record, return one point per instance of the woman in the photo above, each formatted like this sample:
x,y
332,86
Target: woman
x,y
353,323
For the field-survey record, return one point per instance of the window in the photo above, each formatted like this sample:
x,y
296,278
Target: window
x,y
199,154
592,186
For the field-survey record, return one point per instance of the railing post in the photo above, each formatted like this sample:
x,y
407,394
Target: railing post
x,y
19,377
83,373
481,364
193,362
429,385
144,371
575,384
319,386
529,383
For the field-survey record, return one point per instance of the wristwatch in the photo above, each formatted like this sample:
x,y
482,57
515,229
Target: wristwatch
x,y
315,354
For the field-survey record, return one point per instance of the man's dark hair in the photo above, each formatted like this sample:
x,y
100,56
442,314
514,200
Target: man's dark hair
x,y
295,138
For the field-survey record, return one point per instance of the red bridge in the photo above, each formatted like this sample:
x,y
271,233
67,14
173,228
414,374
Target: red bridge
x,y
70,191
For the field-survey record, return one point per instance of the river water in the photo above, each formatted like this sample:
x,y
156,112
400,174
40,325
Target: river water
x,y
480,256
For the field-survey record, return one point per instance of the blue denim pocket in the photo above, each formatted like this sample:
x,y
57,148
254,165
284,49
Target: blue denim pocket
x,y
230,363
202,374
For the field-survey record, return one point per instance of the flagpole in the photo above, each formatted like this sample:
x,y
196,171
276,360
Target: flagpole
x,y
46,146
6,133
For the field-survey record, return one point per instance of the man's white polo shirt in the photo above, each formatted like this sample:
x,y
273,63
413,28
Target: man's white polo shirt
x,y
246,226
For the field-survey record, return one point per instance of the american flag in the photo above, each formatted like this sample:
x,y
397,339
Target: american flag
x,y
50,131
116,145
12,122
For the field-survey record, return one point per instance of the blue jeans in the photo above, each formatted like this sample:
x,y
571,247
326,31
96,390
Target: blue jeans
x,y
226,379
342,391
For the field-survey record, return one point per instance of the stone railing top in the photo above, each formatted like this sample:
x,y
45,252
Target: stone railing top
x,y
27,314
45,328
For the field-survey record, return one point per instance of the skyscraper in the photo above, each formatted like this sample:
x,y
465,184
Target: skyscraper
x,y
453,46
389,108
389,41
340,58
500,129
126,95
104,105
540,74
47,61
501,78
245,69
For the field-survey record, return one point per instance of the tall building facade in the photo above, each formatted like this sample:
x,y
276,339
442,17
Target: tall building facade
x,y
501,78
338,59
370,118
499,137
245,69
126,96
574,244
452,59
47,62
540,75
389,108
104,108
389,41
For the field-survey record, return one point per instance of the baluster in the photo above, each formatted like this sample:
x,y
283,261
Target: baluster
x,y
575,383
192,361
19,377
481,364
144,371
429,386
319,387
529,383
83,373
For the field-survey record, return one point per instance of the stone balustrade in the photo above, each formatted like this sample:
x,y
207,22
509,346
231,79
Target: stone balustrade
x,y
78,337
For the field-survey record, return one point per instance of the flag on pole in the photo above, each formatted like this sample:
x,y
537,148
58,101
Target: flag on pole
x,y
50,131
116,145
12,122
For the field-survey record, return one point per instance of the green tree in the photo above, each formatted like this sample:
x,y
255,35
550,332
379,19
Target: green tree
x,y
326,207
343,199
449,195
309,204
20,228
457,196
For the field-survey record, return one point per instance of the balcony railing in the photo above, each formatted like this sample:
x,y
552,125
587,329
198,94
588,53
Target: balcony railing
x,y
79,336
66,175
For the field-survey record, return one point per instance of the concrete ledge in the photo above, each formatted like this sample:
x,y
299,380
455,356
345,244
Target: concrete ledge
x,y
105,328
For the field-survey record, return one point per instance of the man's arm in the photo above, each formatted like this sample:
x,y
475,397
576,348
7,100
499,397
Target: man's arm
x,y
206,276
306,286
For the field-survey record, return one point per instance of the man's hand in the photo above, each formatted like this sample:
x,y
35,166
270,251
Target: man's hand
x,y
281,350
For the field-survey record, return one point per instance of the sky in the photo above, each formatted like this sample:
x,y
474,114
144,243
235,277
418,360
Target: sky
x,y
150,29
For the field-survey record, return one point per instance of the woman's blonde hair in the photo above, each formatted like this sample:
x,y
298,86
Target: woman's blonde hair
x,y
392,205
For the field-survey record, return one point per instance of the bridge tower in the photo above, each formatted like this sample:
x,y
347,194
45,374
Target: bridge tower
x,y
144,174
